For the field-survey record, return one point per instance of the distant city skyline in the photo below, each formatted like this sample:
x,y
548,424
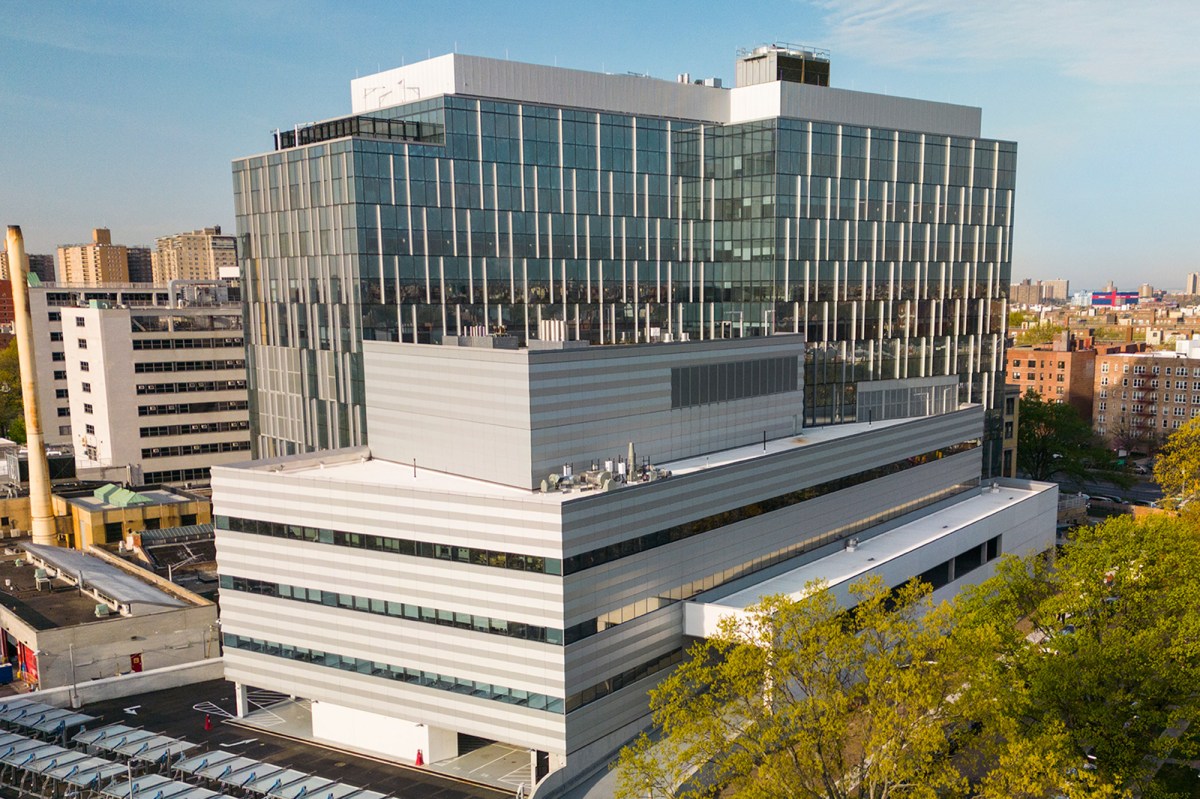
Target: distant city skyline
x,y
128,116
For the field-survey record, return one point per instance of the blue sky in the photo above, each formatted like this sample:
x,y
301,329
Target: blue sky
x,y
127,114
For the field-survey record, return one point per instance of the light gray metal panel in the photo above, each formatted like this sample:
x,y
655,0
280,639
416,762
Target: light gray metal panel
x,y
601,519
659,571
510,662
828,104
485,718
513,416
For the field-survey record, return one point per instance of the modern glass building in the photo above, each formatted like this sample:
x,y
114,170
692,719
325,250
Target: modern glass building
x,y
467,195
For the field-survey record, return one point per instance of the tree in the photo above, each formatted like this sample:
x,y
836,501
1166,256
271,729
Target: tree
x,y
1053,439
1041,333
12,410
799,698
1111,656
1018,318
1177,467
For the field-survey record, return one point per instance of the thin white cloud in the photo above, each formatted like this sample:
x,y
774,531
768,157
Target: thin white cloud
x,y
1101,41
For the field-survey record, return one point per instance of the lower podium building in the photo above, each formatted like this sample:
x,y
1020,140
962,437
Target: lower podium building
x,y
535,534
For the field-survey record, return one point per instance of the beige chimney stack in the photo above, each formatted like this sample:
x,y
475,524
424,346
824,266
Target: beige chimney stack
x,y
42,512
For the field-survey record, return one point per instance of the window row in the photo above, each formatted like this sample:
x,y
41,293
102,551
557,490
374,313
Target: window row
x,y
195,449
176,476
397,546
429,679
399,610
179,388
164,323
193,429
192,407
185,343
679,532
187,366
722,382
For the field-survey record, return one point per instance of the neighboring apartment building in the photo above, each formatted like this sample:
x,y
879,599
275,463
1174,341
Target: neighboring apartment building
x,y
141,265
1056,290
199,255
101,261
1025,293
1012,426
466,192
1028,292
159,389
201,342
1062,371
46,304
535,536
40,265
1142,397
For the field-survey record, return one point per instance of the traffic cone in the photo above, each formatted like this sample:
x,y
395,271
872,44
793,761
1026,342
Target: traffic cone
x,y
207,722
420,758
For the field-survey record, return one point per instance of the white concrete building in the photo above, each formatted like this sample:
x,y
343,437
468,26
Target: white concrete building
x,y
162,390
46,304
481,570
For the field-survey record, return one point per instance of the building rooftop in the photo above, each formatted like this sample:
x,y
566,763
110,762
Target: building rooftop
x,y
47,602
841,568
355,465
473,76
154,496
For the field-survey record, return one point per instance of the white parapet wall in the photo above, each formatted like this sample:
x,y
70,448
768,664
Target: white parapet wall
x,y
89,691
385,735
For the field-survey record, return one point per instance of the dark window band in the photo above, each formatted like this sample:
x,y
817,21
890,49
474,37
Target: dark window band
x,y
445,682
155,367
193,429
185,343
398,610
590,627
195,449
397,546
372,668
722,382
176,476
193,407
204,385
679,532
586,560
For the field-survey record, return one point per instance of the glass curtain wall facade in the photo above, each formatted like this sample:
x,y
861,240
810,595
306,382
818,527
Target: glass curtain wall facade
x,y
889,249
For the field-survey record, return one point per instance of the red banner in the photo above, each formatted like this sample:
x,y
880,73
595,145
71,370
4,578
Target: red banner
x,y
135,661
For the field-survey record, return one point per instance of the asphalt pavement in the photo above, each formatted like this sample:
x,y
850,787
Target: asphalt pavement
x,y
181,712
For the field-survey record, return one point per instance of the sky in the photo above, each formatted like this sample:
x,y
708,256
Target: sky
x,y
127,114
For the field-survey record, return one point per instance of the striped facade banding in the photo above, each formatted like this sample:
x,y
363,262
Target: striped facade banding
x,y
432,632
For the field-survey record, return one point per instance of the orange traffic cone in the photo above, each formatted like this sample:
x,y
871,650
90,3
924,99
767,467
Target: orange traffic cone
x,y
207,722
420,758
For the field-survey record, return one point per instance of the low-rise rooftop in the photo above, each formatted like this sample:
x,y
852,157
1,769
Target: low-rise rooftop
x,y
357,466
51,587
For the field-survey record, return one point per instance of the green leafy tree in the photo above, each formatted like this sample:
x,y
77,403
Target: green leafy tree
x,y
1101,649
1018,318
1177,467
12,410
798,698
1041,333
1053,441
